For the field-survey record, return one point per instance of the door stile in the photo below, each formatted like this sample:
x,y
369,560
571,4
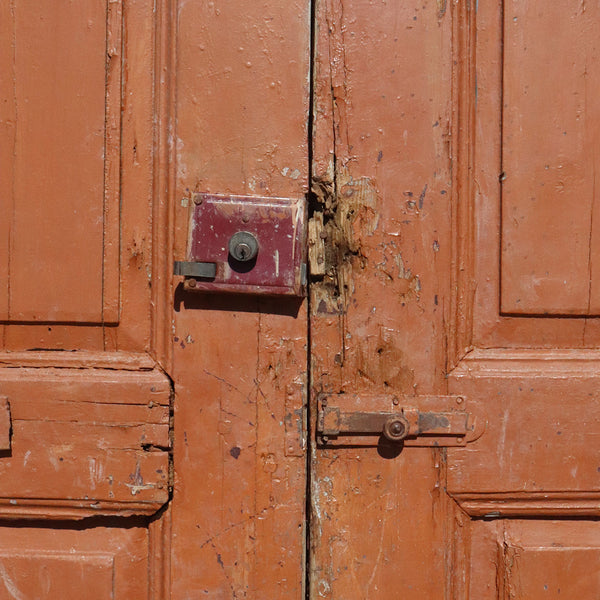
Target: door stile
x,y
239,361
381,182
164,180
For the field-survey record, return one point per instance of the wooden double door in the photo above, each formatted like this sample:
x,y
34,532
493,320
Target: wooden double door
x,y
163,443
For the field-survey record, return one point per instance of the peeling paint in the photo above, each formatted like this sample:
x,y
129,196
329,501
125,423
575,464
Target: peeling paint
x,y
344,212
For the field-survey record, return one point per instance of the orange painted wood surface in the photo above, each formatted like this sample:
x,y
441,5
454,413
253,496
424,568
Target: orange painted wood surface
x,y
383,184
88,441
415,293
535,559
239,362
81,340
550,147
191,417
77,147
64,161
97,563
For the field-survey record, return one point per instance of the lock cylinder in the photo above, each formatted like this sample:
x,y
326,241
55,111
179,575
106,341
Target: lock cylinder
x,y
243,246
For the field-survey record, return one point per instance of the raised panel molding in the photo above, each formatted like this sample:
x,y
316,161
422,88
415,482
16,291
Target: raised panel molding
x,y
546,362
79,359
85,442
523,504
86,222
522,559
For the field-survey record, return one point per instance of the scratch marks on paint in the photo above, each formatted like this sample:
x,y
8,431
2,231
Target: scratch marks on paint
x,y
383,529
224,381
10,585
137,484
441,6
248,519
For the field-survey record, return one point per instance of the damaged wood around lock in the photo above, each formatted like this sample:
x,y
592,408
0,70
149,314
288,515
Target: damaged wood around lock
x,y
343,210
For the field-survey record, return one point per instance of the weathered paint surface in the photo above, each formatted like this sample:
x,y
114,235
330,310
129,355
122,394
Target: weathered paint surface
x,y
382,182
451,192
239,361
86,404
453,188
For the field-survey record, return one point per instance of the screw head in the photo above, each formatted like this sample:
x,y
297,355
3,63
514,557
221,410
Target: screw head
x,y
396,428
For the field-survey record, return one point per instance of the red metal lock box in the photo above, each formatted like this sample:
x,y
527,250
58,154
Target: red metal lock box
x,y
246,244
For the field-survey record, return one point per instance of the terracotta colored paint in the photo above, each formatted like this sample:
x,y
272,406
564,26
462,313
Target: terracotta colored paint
x,y
424,424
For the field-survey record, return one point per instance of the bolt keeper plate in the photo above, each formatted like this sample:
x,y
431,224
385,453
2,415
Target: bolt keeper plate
x,y
278,224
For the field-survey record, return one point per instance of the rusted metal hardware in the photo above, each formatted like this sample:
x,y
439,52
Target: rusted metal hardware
x,y
246,244
397,421
5,424
195,269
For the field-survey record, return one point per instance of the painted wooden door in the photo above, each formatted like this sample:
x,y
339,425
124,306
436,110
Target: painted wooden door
x,y
85,404
447,154
455,151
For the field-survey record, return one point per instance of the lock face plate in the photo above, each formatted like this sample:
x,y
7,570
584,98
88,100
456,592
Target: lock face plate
x,y
279,226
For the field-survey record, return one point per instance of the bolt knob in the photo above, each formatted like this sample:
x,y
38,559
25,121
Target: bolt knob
x,y
243,246
396,428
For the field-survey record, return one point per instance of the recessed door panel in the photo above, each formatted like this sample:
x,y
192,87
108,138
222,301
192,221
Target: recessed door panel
x,y
550,150
96,563
62,159
534,559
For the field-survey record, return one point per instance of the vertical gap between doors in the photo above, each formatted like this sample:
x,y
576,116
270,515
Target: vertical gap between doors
x,y
309,382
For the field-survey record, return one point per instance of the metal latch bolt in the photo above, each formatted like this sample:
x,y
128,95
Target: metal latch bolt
x,y
449,425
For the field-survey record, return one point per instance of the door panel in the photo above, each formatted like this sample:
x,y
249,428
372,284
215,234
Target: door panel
x,y
83,261
77,117
63,159
482,209
447,246
550,141
541,408
97,563
85,442
536,559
